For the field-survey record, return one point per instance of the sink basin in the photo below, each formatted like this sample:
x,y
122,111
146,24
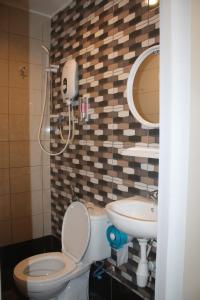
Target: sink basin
x,y
136,216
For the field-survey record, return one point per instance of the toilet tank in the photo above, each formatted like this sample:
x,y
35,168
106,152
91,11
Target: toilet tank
x,y
98,247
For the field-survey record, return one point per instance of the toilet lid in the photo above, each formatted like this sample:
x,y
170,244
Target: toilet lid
x,y
76,231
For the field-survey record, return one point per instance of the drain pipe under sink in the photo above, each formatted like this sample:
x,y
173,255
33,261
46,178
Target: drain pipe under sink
x,y
142,270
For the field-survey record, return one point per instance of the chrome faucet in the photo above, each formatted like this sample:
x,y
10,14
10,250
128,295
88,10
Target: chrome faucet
x,y
154,196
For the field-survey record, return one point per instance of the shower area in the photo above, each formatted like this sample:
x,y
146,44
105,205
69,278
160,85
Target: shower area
x,y
25,205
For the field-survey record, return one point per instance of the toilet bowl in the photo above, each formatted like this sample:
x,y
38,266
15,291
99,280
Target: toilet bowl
x,y
64,275
45,275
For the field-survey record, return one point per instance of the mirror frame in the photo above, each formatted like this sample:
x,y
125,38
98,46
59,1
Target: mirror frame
x,y
130,83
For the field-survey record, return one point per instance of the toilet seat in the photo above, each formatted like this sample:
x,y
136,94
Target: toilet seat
x,y
77,228
45,275
33,269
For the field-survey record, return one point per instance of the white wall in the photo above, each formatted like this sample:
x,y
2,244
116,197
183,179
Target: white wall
x,y
178,259
191,279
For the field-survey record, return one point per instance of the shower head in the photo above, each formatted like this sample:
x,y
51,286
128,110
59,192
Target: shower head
x,y
45,49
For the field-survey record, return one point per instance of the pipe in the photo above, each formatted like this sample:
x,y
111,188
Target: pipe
x,y
142,270
66,141
45,48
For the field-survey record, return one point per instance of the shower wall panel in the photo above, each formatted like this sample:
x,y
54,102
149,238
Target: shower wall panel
x,y
24,197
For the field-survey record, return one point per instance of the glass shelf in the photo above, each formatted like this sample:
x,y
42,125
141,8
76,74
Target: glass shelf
x,y
149,152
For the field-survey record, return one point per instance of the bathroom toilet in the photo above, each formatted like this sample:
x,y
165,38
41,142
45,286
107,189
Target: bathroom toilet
x,y
65,275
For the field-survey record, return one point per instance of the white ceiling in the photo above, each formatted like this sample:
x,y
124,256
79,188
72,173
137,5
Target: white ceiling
x,y
44,7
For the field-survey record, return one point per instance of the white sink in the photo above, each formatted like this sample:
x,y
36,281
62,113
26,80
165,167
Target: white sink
x,y
136,216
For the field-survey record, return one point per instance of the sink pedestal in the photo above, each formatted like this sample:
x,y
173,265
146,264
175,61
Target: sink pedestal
x,y
142,270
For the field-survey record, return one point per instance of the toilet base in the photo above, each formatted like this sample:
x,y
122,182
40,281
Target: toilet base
x,y
77,289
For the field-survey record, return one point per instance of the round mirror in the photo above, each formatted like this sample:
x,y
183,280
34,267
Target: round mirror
x,y
143,87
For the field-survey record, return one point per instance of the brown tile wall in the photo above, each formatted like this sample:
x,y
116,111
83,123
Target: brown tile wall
x,y
105,38
25,205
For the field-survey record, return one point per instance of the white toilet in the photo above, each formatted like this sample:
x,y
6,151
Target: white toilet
x,y
65,275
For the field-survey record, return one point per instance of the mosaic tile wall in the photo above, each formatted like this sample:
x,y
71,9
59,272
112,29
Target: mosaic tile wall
x,y
105,38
